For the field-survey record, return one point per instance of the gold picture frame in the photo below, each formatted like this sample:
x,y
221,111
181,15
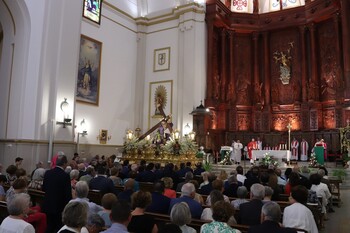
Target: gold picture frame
x,y
161,59
160,96
103,136
88,80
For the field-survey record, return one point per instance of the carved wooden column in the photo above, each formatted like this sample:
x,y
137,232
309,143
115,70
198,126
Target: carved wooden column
x,y
303,64
223,88
314,84
345,6
339,72
267,83
232,78
210,70
257,92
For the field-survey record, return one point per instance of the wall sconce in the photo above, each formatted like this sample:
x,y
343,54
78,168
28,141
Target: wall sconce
x,y
129,134
64,108
176,134
192,135
82,133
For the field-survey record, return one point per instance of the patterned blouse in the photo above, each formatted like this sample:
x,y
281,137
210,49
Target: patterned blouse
x,y
218,227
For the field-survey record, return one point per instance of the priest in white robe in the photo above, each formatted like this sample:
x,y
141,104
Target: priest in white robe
x,y
304,148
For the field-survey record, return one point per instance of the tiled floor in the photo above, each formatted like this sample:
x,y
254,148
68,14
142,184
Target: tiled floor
x,y
339,221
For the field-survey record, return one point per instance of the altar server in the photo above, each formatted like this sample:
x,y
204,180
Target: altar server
x,y
295,149
304,148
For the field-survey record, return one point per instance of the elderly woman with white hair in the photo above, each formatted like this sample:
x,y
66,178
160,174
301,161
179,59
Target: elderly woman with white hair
x,y
181,215
81,192
18,209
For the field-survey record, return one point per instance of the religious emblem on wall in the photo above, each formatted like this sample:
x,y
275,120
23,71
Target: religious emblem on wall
x,y
283,58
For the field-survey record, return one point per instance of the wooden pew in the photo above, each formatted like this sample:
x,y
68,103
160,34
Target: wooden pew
x,y
161,219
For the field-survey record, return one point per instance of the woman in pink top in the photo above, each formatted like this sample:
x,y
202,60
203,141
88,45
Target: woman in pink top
x,y
168,183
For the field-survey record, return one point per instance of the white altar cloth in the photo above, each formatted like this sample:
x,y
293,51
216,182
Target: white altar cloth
x,y
278,154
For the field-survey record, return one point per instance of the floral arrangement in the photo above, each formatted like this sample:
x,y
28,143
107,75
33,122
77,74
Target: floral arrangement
x,y
181,146
313,161
268,160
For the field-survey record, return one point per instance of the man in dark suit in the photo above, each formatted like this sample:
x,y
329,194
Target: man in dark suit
x,y
58,193
250,212
148,175
101,182
160,203
270,217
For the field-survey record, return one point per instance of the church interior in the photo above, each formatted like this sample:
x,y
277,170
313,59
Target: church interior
x,y
88,78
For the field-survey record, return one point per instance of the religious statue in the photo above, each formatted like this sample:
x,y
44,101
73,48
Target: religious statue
x,y
284,60
160,99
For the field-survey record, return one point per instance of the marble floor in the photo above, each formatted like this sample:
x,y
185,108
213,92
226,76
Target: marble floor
x,y
339,221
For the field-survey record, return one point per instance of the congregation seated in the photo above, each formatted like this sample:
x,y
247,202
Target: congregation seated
x,y
11,174
240,177
217,185
231,186
297,215
170,228
207,213
184,168
95,224
120,217
168,191
37,179
160,203
180,215
141,223
207,188
90,173
268,194
107,202
222,211
252,177
114,176
205,176
242,194
17,208
74,217
169,172
270,217
187,194
293,180
199,169
197,197
81,193
147,175
2,190
101,182
34,215
128,190
250,212
188,177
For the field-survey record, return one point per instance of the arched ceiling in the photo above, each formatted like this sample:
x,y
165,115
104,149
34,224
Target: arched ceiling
x,y
137,8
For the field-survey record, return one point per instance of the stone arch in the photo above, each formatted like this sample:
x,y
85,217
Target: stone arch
x,y
15,30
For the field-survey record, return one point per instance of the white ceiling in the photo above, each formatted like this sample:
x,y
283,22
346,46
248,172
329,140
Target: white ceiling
x,y
137,8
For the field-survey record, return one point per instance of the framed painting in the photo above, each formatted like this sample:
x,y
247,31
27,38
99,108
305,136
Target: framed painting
x,y
103,136
160,98
161,60
88,81
92,10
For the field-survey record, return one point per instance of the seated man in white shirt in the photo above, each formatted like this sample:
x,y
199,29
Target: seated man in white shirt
x,y
297,215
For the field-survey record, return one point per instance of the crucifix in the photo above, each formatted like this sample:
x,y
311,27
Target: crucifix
x,y
289,126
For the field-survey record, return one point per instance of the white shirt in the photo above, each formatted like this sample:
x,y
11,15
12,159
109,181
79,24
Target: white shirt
x,y
11,225
322,191
241,178
299,216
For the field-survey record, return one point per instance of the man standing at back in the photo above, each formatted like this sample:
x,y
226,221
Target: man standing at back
x,y
58,192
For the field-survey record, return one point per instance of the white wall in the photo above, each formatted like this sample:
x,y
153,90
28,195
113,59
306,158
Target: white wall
x,y
115,112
